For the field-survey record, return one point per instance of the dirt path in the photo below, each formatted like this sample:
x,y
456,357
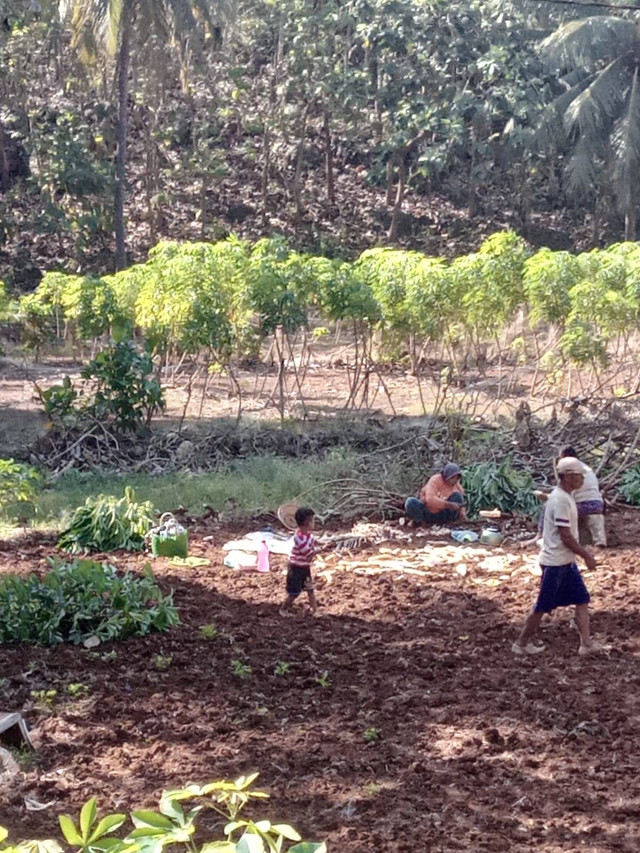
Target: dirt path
x,y
476,750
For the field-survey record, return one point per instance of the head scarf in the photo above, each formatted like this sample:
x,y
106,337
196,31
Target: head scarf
x,y
450,470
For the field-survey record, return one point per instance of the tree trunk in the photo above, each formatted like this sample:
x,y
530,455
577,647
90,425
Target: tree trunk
x,y
266,167
471,207
4,163
389,196
397,207
204,186
151,184
297,178
595,225
630,216
121,152
328,154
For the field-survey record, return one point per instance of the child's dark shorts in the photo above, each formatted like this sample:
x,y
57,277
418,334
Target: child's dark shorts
x,y
298,580
561,586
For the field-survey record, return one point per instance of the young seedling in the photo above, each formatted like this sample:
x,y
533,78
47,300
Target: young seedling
x,y
163,662
26,758
323,679
371,735
44,699
239,669
77,689
208,632
281,668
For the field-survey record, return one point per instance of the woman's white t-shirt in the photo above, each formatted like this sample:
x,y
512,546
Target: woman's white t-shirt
x,y
590,488
560,511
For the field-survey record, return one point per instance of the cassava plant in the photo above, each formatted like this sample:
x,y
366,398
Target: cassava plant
x,y
173,826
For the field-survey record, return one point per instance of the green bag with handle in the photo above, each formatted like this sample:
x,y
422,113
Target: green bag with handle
x,y
169,539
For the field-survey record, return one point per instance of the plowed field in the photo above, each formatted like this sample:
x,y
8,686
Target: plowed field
x,y
404,722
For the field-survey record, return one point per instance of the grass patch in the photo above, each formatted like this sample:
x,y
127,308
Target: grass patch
x,y
243,487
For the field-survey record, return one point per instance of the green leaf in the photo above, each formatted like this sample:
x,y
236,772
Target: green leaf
x,y
88,815
107,824
219,847
46,846
250,844
150,843
151,819
286,831
170,808
245,781
309,847
68,827
3,834
113,845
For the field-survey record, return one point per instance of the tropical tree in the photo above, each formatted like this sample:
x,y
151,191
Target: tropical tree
x,y
109,28
598,58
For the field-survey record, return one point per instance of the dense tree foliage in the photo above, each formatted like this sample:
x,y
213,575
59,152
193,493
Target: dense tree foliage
x,y
300,104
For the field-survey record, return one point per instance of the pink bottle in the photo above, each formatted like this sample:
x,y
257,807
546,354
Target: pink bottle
x,y
263,557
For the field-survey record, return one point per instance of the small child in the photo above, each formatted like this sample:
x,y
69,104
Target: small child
x,y
302,554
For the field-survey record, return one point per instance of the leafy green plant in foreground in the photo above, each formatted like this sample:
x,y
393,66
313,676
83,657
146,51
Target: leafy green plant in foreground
x,y
75,601
107,523
171,825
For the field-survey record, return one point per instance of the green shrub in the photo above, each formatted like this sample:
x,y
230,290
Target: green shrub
x,y
18,483
172,826
106,523
490,485
630,486
60,403
82,599
125,389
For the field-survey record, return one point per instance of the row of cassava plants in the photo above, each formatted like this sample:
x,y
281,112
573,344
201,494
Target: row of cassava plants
x,y
213,304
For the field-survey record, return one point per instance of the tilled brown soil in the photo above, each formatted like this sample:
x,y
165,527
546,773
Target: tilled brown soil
x,y
477,750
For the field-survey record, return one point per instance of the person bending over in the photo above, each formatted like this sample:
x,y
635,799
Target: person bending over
x,y
441,500
589,503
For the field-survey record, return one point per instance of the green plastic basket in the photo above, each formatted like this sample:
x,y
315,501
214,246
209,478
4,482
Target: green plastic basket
x,y
163,545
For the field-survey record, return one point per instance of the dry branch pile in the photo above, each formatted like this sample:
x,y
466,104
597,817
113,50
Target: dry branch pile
x,y
607,439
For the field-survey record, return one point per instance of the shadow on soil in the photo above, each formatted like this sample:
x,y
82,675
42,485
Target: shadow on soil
x,y
402,714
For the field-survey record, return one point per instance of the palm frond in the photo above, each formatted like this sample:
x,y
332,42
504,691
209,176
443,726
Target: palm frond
x,y
583,169
601,101
626,142
551,130
95,24
589,42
